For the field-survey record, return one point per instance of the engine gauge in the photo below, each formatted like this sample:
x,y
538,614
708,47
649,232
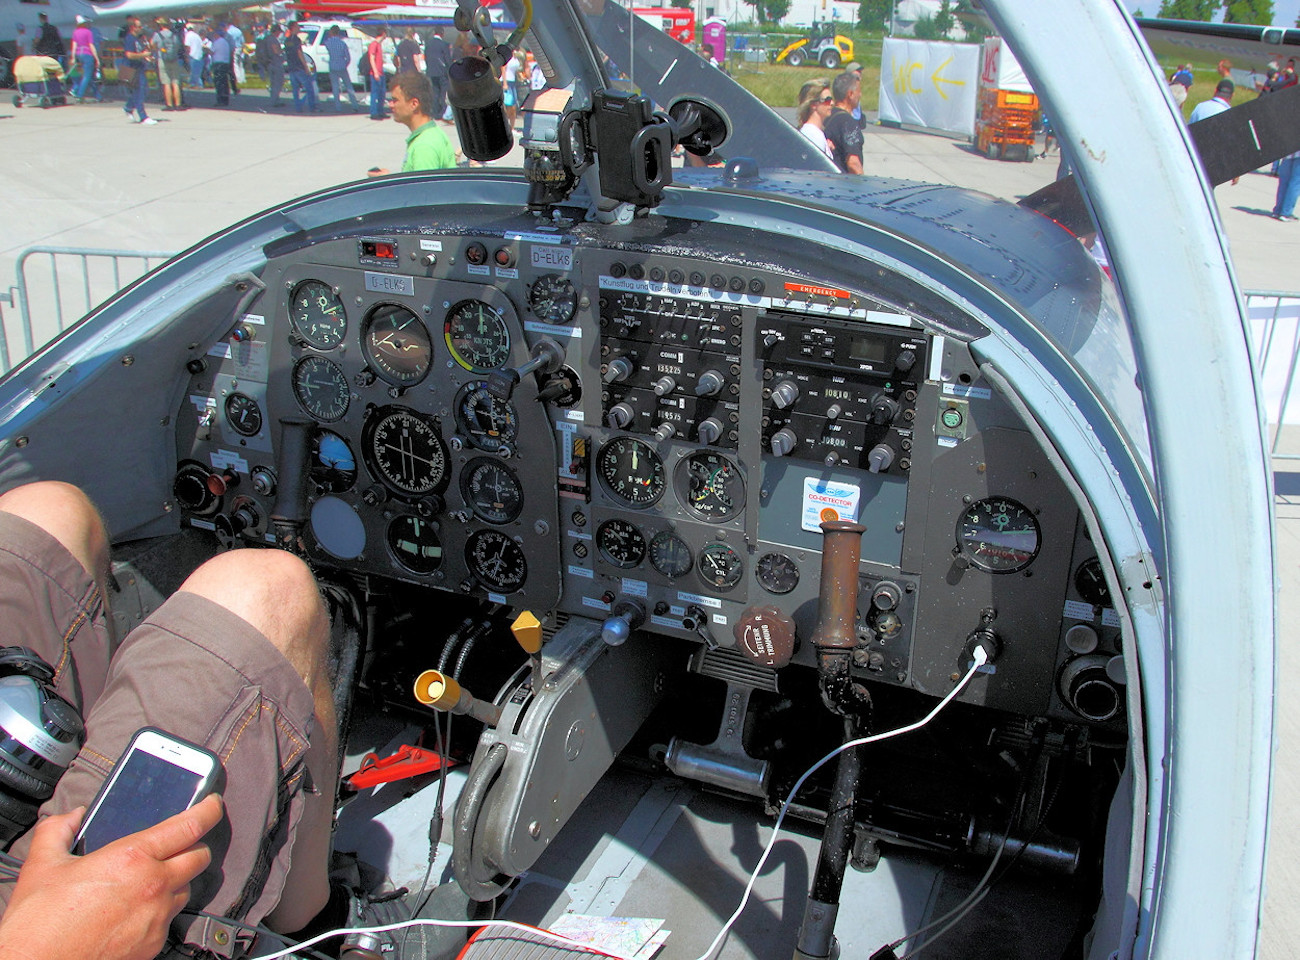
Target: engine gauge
x,y
316,314
553,298
487,422
321,388
414,543
670,555
621,543
777,573
396,344
711,486
403,450
492,490
998,535
631,471
333,464
1091,583
721,566
477,336
243,414
496,561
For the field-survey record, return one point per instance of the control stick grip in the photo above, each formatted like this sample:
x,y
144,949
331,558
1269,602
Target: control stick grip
x,y
289,512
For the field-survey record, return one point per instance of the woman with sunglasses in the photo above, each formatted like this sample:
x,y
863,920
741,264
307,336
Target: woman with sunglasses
x,y
814,107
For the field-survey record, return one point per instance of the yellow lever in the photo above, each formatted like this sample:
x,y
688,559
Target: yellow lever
x,y
528,632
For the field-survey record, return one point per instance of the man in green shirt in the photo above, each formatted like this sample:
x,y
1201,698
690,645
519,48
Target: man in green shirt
x,y
427,148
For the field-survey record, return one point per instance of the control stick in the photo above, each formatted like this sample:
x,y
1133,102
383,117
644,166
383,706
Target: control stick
x,y
289,512
547,357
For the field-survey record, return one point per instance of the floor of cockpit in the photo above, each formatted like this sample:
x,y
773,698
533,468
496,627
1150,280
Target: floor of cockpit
x,y
663,848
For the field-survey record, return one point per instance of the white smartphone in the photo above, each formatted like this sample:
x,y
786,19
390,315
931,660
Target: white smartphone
x,y
156,777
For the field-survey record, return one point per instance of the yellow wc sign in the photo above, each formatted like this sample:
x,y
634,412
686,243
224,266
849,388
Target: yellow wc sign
x,y
929,84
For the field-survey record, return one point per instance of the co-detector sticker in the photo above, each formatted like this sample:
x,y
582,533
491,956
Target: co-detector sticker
x,y
828,500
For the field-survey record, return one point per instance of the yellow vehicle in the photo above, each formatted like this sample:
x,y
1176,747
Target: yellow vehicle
x,y
821,47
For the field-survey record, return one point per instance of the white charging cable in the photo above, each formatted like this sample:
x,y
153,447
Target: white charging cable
x,y
980,657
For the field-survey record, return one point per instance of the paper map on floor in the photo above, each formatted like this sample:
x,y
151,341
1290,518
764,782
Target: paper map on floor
x,y
632,938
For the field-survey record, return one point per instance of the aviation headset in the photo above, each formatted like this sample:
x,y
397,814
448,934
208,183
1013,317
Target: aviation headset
x,y
40,733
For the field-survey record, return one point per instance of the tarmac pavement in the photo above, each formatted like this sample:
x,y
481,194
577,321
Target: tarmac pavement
x,y
82,176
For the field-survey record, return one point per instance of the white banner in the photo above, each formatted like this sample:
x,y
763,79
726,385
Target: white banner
x,y
929,84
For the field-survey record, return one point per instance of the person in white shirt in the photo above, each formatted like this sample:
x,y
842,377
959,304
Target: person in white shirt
x,y
813,111
195,53
1222,100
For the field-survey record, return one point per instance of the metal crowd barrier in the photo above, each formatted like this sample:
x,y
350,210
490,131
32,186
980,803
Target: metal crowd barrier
x,y
57,286
1275,334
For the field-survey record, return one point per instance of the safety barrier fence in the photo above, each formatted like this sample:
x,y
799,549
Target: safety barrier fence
x,y
57,286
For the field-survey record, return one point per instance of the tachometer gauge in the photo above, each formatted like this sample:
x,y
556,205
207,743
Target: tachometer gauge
x,y
243,414
670,555
492,490
485,421
711,486
321,388
553,298
396,344
721,566
777,573
415,544
404,451
333,464
1091,583
998,535
496,561
477,336
316,314
621,543
631,471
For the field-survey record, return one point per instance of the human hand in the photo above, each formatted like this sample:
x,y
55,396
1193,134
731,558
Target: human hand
x,y
113,904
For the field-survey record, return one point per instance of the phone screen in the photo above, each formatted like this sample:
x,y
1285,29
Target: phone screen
x,y
148,790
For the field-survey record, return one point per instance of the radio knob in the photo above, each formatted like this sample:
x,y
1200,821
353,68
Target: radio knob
x,y
883,409
664,386
710,384
664,431
783,441
784,394
905,361
618,370
770,341
620,415
833,411
880,457
831,459
709,430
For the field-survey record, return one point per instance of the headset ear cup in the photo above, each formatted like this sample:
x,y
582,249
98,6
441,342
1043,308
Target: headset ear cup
x,y
23,783
15,816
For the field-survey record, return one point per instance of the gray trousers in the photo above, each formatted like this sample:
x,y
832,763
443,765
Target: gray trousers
x,y
275,81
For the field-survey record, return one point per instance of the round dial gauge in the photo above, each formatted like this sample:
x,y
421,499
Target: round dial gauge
x,y
1091,583
415,544
397,345
621,543
321,388
477,336
721,566
777,573
670,555
496,561
631,471
333,464
553,298
317,314
485,421
403,450
711,486
243,414
492,490
998,535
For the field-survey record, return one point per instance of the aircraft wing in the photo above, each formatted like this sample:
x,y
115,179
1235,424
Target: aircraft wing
x,y
1248,46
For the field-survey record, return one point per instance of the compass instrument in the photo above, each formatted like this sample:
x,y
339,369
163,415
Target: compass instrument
x,y
404,451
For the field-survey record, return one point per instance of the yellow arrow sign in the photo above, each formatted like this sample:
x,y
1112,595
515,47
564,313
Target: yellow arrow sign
x,y
938,80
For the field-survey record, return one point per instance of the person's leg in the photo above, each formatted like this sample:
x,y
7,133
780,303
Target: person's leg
x,y
295,87
1284,169
1292,192
276,84
87,74
309,88
142,93
337,79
